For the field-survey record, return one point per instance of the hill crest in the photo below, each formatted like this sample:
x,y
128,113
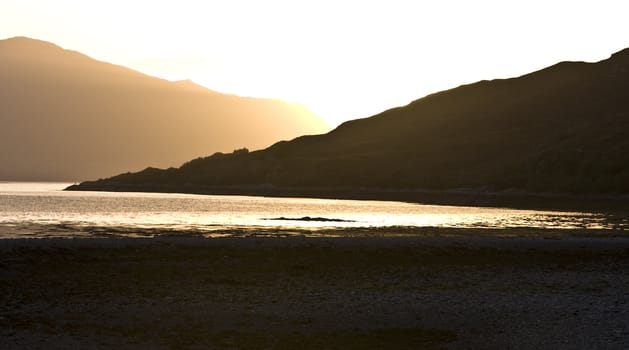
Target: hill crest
x,y
561,129
67,116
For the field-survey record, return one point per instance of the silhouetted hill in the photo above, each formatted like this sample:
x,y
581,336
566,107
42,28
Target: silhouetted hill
x,y
65,116
563,129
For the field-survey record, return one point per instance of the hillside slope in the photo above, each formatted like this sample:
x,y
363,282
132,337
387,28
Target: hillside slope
x,y
65,116
561,129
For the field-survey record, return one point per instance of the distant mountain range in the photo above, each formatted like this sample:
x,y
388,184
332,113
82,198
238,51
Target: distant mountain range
x,y
563,129
65,116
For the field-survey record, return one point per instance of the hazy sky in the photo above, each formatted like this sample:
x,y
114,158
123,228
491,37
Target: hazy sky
x,y
342,59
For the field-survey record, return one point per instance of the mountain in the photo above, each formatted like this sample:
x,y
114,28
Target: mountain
x,y
66,116
563,129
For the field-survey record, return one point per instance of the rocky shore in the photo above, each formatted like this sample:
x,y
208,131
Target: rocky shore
x,y
443,291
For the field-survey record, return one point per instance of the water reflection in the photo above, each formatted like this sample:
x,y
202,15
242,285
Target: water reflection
x,y
42,210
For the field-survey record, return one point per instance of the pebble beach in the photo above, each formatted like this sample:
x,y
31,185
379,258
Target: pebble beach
x,y
446,289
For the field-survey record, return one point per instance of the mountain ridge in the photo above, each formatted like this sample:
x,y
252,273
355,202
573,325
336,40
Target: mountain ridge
x,y
67,116
559,130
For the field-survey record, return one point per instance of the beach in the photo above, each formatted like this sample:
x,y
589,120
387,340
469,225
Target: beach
x,y
447,289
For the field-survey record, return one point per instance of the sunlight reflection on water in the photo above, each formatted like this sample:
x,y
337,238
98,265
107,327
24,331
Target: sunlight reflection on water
x,y
38,209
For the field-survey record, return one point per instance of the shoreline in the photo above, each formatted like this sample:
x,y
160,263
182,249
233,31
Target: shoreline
x,y
505,199
64,231
549,240
438,291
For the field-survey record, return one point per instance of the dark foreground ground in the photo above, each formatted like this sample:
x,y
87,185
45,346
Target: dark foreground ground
x,y
430,292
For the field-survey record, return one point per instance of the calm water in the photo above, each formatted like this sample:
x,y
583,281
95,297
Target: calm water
x,y
43,210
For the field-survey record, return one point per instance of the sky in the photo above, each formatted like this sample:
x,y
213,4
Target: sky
x,y
341,59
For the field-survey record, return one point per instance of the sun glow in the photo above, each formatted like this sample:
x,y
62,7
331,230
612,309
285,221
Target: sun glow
x,y
342,59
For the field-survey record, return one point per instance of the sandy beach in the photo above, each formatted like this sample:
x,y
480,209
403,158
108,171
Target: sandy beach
x,y
447,289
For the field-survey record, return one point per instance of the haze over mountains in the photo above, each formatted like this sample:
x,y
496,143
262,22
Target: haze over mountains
x,y
65,116
561,129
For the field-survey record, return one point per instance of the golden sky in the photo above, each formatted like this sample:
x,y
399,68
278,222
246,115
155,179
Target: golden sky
x,y
342,59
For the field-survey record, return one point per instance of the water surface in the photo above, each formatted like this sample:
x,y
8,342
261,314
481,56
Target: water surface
x,y
44,210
